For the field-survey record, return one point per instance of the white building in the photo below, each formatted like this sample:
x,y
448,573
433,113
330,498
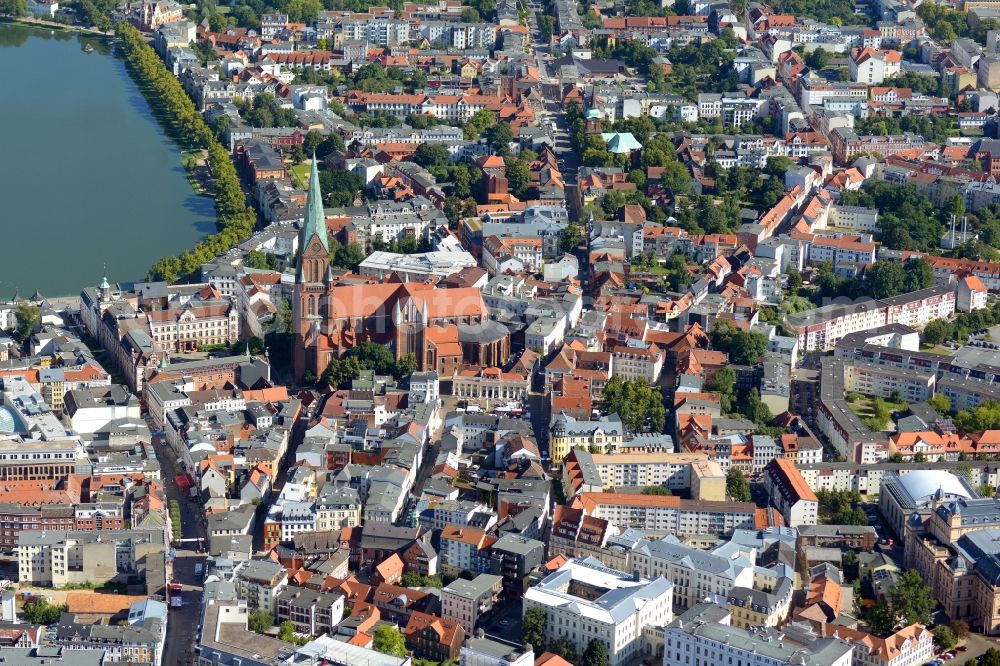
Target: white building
x,y
484,652
615,608
258,583
632,363
417,267
704,636
872,66
696,574
790,493
43,8
971,294
425,388
465,601
855,218
669,514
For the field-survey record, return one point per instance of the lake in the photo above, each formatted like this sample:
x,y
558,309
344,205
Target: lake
x,y
87,176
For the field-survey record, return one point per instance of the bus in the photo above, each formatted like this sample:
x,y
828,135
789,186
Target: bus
x,y
175,593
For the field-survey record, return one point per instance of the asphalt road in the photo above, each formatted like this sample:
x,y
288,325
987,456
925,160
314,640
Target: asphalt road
x,y
182,622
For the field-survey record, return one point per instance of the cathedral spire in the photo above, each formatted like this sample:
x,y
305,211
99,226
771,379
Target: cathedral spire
x,y
315,222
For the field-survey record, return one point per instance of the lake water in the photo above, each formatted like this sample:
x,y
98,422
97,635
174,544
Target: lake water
x,y
87,176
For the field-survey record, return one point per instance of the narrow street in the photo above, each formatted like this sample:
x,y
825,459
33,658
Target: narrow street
x,y
182,624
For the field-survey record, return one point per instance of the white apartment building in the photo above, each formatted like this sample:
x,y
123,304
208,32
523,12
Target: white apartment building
x,y
515,255
669,514
337,507
910,646
296,517
880,380
855,218
872,66
704,636
790,493
660,468
917,308
465,601
822,327
840,251
258,583
696,574
613,607
632,363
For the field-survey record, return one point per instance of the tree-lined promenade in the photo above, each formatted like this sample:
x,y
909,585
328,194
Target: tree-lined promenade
x,y
235,219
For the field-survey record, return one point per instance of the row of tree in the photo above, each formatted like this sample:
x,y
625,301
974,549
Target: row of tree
x,y
340,372
234,218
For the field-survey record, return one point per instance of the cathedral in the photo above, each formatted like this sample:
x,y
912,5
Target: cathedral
x,y
444,328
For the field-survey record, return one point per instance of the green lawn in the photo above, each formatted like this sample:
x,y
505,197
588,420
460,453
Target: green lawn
x,y
937,349
864,407
300,174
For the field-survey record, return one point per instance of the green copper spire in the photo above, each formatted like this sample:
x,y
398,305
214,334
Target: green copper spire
x,y
315,222
104,281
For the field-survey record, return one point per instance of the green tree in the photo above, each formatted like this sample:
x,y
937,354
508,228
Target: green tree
x,y
639,405
348,256
818,58
339,187
312,141
596,653
260,621
945,637
656,490
388,640
570,238
284,317
724,382
565,648
885,278
533,628
778,165
984,417
737,486
286,631
375,357
990,658
500,137
29,320
547,24
340,372
743,347
41,611
940,402
14,8
880,618
937,331
260,260
432,154
518,176
406,366
912,599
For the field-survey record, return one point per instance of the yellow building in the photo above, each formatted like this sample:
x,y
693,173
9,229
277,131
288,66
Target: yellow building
x,y
605,435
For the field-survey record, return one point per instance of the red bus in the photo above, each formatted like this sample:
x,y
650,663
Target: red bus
x,y
175,593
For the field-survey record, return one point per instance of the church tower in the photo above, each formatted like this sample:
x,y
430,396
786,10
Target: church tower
x,y
311,281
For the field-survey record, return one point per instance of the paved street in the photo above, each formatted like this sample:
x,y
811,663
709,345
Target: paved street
x,y
183,623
